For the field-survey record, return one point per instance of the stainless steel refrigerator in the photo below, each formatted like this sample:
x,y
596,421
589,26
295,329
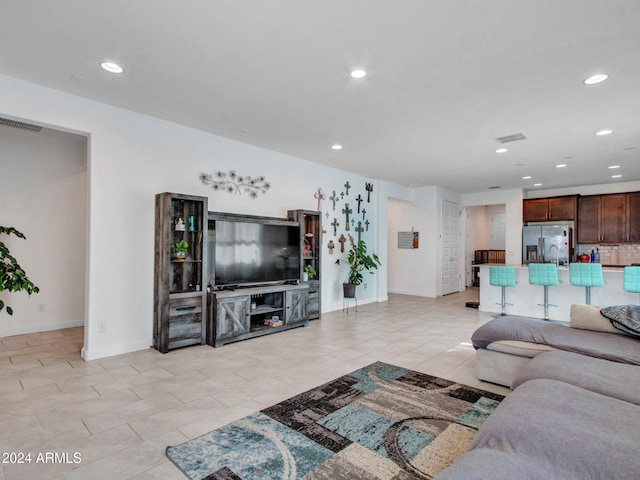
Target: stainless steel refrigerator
x,y
547,244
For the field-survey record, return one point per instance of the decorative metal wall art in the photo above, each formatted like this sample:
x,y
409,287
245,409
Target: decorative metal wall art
x,y
234,183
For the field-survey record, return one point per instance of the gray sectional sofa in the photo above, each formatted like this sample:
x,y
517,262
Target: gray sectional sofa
x,y
574,412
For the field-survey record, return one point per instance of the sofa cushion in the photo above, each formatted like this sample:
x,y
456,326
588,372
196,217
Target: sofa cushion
x,y
588,317
624,317
613,379
618,348
515,347
550,429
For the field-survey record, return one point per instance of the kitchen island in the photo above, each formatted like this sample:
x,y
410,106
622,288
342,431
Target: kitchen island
x,y
527,299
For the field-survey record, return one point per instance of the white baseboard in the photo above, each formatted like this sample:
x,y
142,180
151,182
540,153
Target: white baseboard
x,y
41,328
96,353
415,294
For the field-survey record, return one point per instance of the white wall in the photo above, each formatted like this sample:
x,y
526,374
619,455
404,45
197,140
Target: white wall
x,y
512,200
43,195
132,157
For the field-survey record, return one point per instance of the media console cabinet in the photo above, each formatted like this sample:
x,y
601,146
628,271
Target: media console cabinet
x,y
245,312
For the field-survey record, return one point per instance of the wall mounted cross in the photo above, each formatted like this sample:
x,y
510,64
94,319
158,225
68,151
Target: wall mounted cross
x,y
335,224
369,188
347,211
359,200
319,196
331,246
334,199
347,186
342,239
367,224
359,229
364,212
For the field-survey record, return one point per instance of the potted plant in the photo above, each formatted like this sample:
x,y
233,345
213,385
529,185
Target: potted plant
x,y
359,262
12,277
179,250
309,273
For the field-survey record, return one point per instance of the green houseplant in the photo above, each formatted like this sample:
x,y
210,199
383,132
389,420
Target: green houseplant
x,y
12,277
179,250
359,261
310,271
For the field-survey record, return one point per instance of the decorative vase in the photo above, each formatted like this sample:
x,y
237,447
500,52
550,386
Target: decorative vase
x,y
349,290
305,277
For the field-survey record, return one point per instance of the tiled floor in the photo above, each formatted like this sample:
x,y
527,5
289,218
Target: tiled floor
x,y
113,418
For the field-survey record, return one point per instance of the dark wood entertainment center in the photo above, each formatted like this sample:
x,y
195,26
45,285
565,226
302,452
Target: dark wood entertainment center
x,y
190,309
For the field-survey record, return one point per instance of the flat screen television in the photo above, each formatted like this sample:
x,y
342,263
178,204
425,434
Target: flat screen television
x,y
246,252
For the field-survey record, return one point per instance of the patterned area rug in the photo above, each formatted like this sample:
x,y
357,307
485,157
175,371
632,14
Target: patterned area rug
x,y
379,422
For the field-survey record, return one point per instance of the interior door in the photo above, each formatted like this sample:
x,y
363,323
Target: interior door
x,y
450,247
498,231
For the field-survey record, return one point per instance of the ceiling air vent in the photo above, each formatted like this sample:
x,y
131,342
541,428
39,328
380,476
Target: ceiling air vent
x,y
15,124
512,138
495,187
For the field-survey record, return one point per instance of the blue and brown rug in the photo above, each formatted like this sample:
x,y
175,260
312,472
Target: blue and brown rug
x,y
379,422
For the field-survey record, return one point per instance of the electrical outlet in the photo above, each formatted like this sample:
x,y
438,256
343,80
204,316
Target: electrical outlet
x,y
102,327
41,308
365,285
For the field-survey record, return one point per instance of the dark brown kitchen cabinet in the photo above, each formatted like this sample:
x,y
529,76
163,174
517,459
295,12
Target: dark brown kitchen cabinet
x,y
602,219
549,209
633,217
589,219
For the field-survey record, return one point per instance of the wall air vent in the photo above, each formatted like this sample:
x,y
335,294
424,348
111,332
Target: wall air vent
x,y
511,138
495,187
22,125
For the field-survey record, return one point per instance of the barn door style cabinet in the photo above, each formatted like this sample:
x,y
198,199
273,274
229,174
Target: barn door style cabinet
x,y
311,248
179,284
251,312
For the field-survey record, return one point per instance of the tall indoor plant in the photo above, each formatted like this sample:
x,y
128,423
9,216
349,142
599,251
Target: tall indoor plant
x,y
359,262
12,277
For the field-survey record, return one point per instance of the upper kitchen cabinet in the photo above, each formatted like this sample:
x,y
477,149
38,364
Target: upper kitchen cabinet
x,y
549,209
633,217
603,219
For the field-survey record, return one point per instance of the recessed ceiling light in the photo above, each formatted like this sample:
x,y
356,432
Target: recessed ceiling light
x,y
358,73
336,147
112,67
613,167
561,165
501,150
593,79
537,184
527,177
616,176
604,132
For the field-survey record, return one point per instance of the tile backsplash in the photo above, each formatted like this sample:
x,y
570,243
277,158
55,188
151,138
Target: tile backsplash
x,y
614,254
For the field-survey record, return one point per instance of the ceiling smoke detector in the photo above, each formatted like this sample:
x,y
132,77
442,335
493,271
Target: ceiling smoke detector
x,y
511,138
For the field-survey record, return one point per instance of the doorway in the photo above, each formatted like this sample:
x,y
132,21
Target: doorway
x,y
450,247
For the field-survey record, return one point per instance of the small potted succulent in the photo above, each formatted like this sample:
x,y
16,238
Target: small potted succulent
x,y
179,251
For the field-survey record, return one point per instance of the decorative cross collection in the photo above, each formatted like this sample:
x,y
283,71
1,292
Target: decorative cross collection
x,y
359,225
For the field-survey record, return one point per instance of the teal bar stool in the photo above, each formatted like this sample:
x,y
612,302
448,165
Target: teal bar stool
x,y
631,282
545,274
586,275
502,277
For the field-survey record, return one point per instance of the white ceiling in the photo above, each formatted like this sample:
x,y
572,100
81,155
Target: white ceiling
x,y
445,79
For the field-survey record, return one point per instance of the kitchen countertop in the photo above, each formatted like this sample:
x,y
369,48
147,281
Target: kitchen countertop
x,y
524,299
